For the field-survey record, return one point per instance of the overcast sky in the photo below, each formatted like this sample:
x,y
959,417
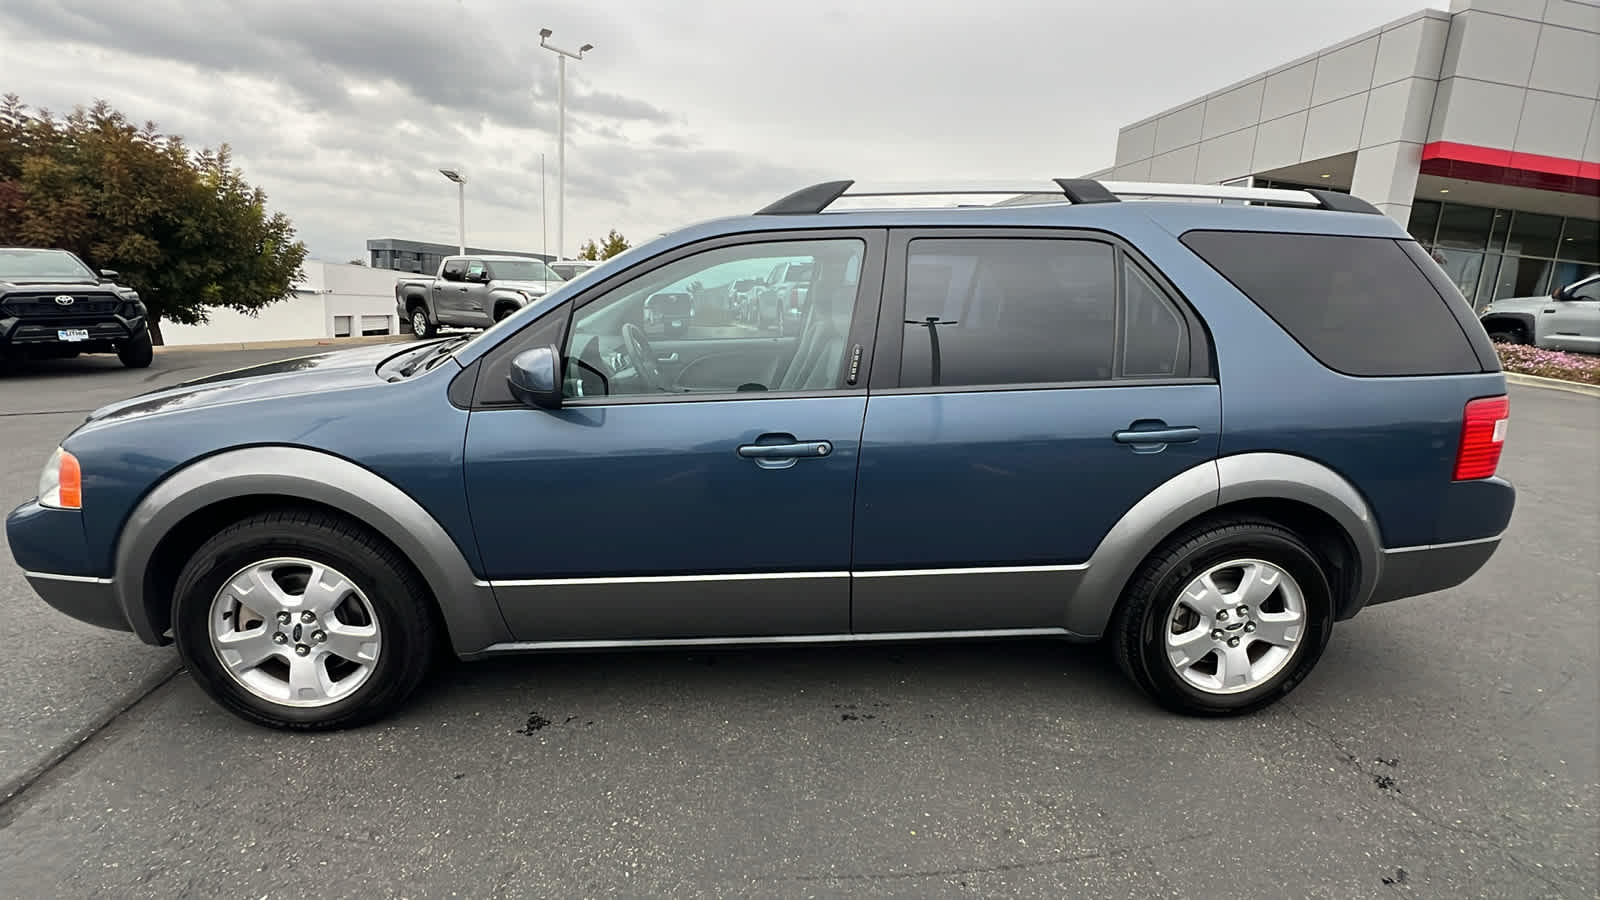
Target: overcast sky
x,y
686,109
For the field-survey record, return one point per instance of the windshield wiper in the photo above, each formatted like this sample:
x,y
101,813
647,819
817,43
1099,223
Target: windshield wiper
x,y
438,351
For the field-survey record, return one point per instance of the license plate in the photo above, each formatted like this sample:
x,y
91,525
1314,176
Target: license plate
x,y
677,323
73,334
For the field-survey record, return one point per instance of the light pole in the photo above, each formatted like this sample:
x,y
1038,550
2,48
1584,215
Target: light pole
x,y
561,128
461,207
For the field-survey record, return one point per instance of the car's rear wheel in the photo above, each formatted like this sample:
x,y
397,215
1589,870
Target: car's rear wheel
x,y
1225,618
420,326
137,352
298,619
1507,336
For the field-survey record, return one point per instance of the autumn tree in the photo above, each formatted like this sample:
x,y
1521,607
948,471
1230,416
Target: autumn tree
x,y
614,243
182,227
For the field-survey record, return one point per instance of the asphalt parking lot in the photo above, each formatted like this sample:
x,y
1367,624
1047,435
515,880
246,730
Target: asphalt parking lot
x,y
1447,746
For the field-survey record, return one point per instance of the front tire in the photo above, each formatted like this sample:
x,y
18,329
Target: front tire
x,y
137,352
1508,336
297,619
1224,618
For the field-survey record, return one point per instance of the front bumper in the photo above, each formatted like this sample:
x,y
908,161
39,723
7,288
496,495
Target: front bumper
x,y
83,597
44,333
50,547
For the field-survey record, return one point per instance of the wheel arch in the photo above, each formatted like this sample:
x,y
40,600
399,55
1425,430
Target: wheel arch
x,y
1300,494
1511,321
189,504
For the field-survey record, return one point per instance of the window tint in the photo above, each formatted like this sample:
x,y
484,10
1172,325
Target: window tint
x,y
453,269
988,311
1359,305
1153,339
685,329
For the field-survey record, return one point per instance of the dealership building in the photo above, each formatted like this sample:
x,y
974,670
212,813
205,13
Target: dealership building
x,y
1478,128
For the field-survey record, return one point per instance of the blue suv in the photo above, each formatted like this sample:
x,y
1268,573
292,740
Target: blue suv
x,y
1201,423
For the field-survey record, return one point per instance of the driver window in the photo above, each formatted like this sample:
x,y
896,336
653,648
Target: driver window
x,y
475,270
752,318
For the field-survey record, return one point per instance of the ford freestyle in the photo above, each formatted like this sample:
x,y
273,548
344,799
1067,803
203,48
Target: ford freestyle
x,y
1118,412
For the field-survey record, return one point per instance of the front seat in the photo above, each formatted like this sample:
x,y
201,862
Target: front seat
x,y
818,360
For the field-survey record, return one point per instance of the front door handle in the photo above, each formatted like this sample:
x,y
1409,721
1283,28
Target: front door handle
x,y
462,290
782,456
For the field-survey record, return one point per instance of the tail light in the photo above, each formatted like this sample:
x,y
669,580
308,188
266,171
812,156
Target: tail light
x,y
1483,435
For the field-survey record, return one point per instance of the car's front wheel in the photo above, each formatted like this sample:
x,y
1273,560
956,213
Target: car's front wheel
x,y
1224,618
298,619
137,352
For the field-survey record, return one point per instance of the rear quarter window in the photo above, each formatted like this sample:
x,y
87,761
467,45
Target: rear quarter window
x,y
1360,305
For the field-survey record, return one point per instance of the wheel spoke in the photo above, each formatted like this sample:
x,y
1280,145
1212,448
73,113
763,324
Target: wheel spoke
x,y
308,680
242,651
1257,584
1190,647
1204,595
1233,666
357,643
324,591
1279,629
258,590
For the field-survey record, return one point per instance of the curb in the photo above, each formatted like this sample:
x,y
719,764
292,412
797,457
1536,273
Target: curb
x,y
1554,384
287,344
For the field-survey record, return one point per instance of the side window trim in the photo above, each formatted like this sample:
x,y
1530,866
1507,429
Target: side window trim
x,y
1197,367
863,322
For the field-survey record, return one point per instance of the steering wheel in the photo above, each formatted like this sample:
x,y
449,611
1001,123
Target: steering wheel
x,y
643,357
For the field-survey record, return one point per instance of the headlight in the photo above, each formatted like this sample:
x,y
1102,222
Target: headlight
x,y
61,482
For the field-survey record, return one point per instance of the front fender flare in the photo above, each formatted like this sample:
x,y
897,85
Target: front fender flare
x,y
470,612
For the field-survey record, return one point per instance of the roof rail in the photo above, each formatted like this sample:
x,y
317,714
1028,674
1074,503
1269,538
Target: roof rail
x,y
818,197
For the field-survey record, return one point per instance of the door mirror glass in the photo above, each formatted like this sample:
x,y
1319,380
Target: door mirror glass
x,y
535,377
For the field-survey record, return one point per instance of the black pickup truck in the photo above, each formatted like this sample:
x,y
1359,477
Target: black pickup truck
x,y
53,305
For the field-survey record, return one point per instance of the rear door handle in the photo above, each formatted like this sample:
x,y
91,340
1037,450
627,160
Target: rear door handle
x,y
782,456
1182,434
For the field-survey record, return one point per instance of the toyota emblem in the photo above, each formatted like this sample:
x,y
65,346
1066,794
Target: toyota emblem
x,y
64,300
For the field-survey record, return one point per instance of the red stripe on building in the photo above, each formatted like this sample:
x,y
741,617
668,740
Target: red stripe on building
x,y
1448,159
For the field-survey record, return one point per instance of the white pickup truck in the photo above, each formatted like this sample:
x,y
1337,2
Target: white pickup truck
x,y
1568,319
474,291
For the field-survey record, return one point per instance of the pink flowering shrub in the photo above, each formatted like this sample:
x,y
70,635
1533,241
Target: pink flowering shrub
x,y
1528,360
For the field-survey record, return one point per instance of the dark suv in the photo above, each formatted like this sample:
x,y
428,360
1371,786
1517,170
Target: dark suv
x,y
1168,425
53,305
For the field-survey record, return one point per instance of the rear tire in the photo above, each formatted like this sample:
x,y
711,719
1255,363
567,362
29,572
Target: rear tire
x,y
136,353
1272,594
1508,336
362,655
420,325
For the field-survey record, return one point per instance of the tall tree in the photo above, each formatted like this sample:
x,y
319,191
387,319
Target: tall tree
x,y
613,244
183,227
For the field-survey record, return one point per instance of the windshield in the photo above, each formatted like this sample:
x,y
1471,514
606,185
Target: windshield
x,y
522,270
42,264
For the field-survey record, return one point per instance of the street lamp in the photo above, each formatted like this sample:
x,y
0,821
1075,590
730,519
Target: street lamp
x,y
461,206
561,128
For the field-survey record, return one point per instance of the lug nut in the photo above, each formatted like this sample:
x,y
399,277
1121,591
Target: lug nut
x,y
318,637
1249,626
302,649
1244,610
308,617
1216,634
1222,616
1232,642
283,618
279,638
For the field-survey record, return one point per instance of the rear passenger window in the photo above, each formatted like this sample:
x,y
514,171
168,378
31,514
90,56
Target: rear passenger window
x,y
1153,338
992,311
1357,304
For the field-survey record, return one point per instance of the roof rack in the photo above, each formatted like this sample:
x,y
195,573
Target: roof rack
x,y
818,197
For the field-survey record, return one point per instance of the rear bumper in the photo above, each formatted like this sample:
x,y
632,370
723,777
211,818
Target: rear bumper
x,y
1411,571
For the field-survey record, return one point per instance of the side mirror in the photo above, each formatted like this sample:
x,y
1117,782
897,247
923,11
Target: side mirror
x,y
109,275
535,377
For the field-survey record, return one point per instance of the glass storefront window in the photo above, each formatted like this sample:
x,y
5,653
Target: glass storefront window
x,y
1497,230
1521,276
1534,235
1462,267
1424,221
1486,282
1580,241
1465,227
